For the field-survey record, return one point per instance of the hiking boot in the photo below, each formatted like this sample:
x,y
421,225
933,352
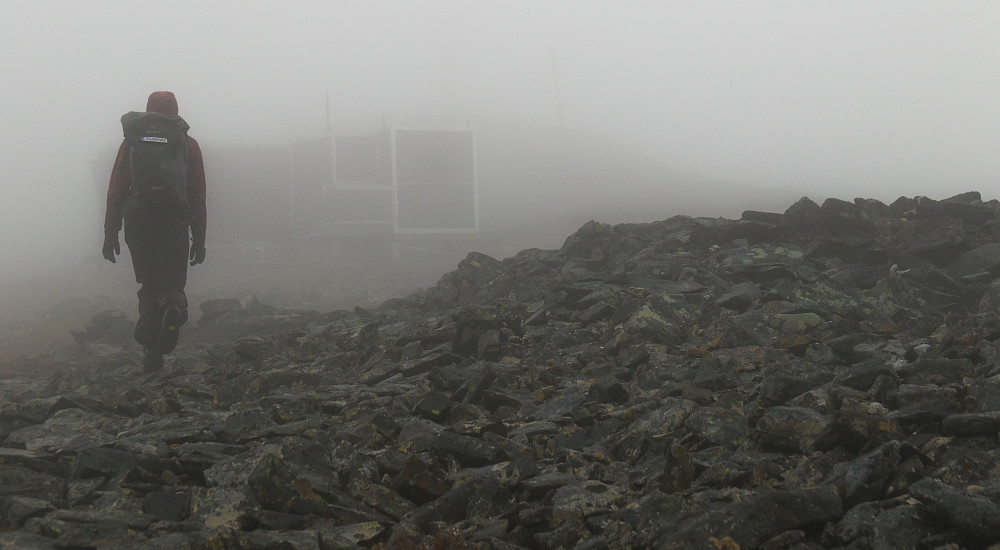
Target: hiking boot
x,y
152,360
169,329
141,333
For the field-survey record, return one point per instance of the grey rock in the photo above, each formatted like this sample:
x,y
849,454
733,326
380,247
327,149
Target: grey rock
x,y
721,424
227,508
805,212
757,216
173,541
423,435
973,424
608,390
739,297
16,480
16,510
750,522
789,429
983,258
167,505
876,526
586,436
977,518
385,500
936,371
433,406
21,540
865,478
858,430
788,379
263,540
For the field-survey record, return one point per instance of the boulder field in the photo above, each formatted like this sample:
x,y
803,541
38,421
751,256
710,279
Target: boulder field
x,y
824,377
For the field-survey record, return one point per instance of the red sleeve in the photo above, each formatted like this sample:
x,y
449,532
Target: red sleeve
x,y
196,194
118,189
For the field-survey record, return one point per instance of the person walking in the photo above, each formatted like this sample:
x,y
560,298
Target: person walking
x,y
157,191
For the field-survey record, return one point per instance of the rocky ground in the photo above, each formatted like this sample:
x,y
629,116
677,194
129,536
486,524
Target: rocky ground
x,y
825,377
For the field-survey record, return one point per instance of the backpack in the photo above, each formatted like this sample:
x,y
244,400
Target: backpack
x,y
157,153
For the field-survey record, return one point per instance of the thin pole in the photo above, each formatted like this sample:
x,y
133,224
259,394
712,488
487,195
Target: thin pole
x,y
328,127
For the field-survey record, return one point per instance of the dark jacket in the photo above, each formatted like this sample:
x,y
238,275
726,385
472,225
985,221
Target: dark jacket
x,y
121,180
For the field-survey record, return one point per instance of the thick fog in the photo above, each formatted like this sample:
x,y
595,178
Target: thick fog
x,y
680,99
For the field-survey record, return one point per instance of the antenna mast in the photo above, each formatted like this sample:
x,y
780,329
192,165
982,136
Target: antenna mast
x,y
329,129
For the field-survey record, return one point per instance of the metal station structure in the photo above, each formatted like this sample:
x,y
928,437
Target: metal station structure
x,y
403,180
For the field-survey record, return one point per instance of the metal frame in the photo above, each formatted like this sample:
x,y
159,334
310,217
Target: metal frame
x,y
396,184
391,185
374,186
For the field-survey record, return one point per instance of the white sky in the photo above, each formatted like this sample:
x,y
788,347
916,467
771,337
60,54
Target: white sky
x,y
871,98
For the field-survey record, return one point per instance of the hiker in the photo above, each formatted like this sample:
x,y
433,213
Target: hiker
x,y
166,197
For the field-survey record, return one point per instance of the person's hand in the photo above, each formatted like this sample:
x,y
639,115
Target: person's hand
x,y
197,255
111,248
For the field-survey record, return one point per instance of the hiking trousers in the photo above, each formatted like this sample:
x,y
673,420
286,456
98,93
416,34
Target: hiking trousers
x,y
159,249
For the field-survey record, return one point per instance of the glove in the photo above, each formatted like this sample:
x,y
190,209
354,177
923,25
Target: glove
x,y
111,248
197,254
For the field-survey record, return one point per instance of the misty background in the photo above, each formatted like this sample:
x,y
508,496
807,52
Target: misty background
x,y
616,111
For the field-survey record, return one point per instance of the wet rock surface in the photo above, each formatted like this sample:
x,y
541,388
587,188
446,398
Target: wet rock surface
x,y
826,377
